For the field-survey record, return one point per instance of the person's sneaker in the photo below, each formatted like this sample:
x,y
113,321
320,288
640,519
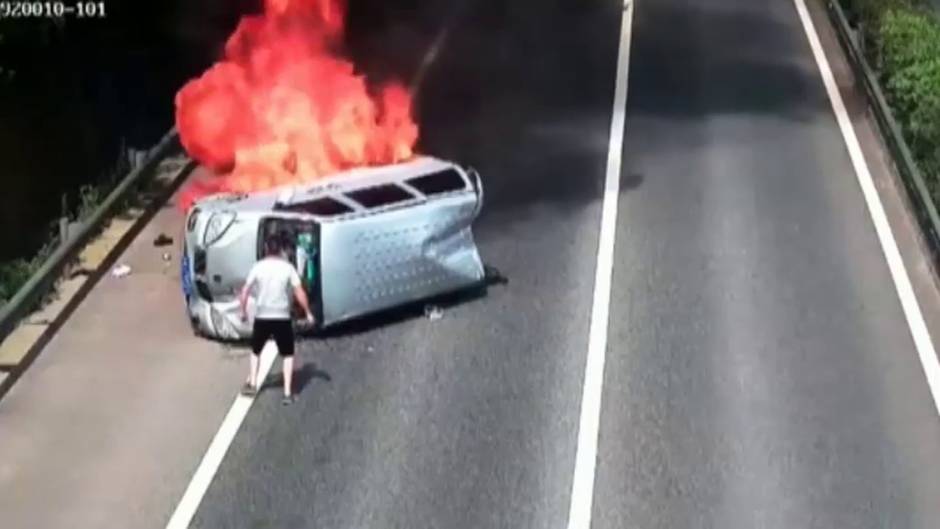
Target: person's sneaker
x,y
248,390
288,399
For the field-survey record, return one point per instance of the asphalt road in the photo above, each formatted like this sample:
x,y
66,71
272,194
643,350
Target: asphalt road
x,y
759,369
760,372
471,420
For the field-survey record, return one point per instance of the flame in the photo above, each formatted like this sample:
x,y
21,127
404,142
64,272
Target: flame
x,y
285,106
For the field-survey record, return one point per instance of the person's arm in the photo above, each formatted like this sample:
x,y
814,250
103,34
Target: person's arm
x,y
300,295
304,303
246,291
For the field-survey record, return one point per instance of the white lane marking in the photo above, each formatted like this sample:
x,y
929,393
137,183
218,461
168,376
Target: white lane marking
x,y
209,465
915,320
582,488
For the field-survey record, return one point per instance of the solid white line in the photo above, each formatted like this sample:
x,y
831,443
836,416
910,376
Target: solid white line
x,y
582,488
207,469
915,320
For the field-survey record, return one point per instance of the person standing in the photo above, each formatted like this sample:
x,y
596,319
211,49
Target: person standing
x,y
275,285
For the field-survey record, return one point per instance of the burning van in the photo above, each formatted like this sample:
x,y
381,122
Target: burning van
x,y
363,241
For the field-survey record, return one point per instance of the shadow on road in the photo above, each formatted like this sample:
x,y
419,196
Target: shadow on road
x,y
302,378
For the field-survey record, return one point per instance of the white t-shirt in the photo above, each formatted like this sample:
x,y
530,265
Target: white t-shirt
x,y
272,280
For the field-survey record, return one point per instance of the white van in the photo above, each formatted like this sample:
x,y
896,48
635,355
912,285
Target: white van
x,y
363,241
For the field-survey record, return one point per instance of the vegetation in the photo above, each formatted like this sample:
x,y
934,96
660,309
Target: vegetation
x,y
911,66
902,42
15,273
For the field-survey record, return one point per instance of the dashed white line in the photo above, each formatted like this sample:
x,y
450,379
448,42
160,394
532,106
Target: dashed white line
x,y
199,484
912,312
582,488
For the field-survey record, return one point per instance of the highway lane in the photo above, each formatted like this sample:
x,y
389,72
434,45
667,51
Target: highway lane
x,y
759,369
469,421
760,372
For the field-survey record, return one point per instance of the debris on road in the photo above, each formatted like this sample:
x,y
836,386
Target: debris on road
x,y
167,257
121,271
433,312
163,240
80,272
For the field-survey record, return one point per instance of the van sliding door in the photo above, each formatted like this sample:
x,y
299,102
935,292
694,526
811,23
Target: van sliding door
x,y
301,240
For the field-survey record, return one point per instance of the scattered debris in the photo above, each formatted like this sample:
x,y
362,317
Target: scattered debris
x,y
433,312
80,272
167,257
163,240
121,270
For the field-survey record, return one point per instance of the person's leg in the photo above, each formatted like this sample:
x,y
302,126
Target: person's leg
x,y
285,346
259,336
253,370
288,375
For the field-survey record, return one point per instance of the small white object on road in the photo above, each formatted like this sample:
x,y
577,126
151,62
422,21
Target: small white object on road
x,y
121,271
433,312
167,257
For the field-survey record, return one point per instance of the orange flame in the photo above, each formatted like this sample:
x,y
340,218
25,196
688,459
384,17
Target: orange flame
x,y
284,106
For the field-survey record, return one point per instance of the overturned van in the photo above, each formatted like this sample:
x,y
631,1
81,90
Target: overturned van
x,y
363,241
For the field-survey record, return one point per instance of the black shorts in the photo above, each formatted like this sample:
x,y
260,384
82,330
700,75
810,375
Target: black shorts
x,y
281,330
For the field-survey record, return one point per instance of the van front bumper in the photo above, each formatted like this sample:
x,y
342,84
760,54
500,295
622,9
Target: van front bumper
x,y
218,319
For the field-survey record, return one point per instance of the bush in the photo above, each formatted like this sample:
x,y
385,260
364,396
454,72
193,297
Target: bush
x,y
13,275
910,50
911,71
902,43
869,12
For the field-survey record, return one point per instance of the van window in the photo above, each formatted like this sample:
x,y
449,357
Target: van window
x,y
440,182
324,207
383,195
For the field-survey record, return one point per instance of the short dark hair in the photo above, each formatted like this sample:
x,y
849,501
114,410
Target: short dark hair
x,y
272,246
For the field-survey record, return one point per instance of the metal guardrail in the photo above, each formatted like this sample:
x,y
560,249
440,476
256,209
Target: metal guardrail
x,y
44,279
913,179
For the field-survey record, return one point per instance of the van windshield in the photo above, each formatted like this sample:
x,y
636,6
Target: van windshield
x,y
300,241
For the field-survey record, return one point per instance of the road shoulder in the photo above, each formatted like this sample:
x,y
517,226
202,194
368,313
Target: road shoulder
x,y
110,421
895,199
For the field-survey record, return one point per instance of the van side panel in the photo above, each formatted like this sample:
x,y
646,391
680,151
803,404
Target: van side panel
x,y
384,259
